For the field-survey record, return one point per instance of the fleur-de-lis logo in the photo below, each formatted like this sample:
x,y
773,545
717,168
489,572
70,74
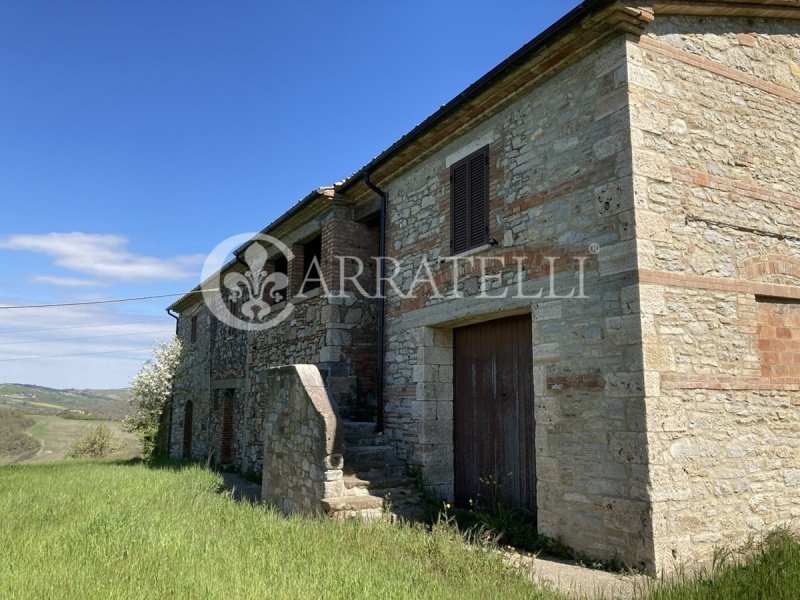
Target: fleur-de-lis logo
x,y
251,286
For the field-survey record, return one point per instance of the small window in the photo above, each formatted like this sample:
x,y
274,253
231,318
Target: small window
x,y
469,202
193,330
311,274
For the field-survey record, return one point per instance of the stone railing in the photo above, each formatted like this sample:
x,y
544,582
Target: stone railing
x,y
303,441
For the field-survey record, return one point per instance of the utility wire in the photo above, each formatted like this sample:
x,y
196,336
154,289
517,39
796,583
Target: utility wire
x,y
113,300
162,320
87,337
75,354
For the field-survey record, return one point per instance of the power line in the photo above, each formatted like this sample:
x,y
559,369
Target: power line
x,y
87,337
75,354
162,320
110,301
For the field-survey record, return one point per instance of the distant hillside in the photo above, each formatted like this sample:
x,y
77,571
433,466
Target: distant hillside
x,y
106,404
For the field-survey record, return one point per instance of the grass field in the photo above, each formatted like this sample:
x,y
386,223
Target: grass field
x,y
105,404
104,529
100,530
57,436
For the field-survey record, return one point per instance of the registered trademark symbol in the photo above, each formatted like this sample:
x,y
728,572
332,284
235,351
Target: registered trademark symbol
x,y
594,248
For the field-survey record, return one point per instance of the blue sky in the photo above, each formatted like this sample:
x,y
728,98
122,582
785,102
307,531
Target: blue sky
x,y
136,136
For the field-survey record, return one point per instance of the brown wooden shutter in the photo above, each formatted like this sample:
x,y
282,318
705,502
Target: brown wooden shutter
x,y
459,206
478,198
469,201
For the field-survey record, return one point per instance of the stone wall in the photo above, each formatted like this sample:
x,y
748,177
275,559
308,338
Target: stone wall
x,y
304,444
715,135
560,187
665,171
193,383
336,332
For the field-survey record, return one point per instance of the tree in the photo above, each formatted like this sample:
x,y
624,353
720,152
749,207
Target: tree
x,y
96,443
151,390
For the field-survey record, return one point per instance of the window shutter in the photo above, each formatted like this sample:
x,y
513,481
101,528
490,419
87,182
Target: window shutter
x,y
478,199
459,207
469,202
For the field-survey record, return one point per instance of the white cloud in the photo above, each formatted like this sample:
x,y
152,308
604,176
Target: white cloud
x,y
104,256
78,346
66,281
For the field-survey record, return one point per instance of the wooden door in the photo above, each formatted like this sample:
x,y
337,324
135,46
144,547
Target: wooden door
x,y
187,429
493,413
226,450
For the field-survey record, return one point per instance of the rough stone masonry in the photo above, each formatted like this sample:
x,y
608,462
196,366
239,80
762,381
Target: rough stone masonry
x,y
651,150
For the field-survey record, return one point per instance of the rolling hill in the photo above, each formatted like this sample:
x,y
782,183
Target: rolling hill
x,y
104,404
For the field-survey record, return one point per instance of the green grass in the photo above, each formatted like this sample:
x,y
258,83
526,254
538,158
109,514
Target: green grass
x,y
112,529
766,571
57,435
103,530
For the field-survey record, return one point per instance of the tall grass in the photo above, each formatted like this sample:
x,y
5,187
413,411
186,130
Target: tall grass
x,y
115,530
769,570
106,529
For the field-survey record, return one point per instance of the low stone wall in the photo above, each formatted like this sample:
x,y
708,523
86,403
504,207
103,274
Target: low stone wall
x,y
303,441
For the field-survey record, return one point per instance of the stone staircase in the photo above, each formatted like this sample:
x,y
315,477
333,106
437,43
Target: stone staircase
x,y
377,482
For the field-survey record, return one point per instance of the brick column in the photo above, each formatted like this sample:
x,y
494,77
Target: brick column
x,y
348,238
295,271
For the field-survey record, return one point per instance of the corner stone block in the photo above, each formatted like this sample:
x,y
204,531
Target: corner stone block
x,y
431,392
628,447
440,454
435,432
624,384
546,311
422,410
623,330
423,373
430,355
618,258
659,357
330,354
444,410
338,337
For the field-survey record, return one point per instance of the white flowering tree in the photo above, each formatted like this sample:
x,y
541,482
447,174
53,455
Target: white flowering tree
x,y
151,390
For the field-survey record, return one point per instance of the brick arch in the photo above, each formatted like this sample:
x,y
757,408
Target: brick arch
x,y
762,266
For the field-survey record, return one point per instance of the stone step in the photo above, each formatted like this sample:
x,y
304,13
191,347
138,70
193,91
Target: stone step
x,y
370,456
384,471
369,508
357,429
352,481
376,439
352,503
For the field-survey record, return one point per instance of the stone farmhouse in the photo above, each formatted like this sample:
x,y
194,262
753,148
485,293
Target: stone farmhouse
x,y
602,238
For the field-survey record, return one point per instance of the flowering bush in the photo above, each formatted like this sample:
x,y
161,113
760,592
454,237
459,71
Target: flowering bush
x,y
96,443
151,390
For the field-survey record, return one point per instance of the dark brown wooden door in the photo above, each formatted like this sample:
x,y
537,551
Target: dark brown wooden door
x,y
226,452
187,429
493,413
